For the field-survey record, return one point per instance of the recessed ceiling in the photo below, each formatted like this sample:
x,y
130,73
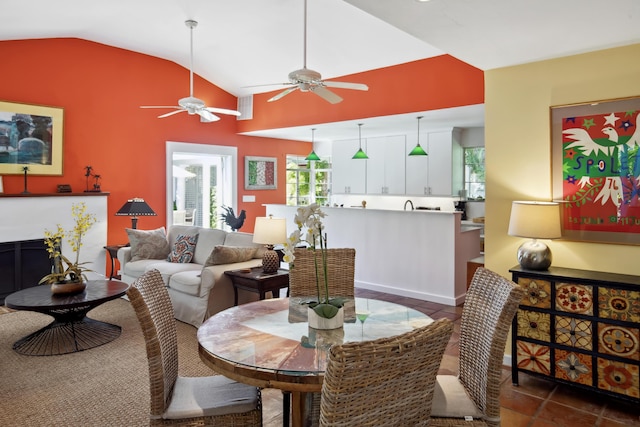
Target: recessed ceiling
x,y
242,43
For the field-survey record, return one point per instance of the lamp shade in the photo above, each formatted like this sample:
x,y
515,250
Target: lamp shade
x,y
270,230
134,208
536,220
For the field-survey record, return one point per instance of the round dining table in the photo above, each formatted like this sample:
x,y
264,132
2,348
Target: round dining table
x,y
269,343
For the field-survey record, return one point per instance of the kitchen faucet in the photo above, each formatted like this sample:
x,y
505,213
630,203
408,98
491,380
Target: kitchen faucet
x,y
405,204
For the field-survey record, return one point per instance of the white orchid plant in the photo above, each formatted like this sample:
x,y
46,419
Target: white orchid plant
x,y
310,217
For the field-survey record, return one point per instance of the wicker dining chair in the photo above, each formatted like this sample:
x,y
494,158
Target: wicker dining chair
x,y
489,308
384,382
175,400
340,271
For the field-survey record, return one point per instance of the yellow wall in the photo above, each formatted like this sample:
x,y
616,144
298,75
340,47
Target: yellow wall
x,y
518,148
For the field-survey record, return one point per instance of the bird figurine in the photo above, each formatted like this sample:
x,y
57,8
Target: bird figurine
x,y
231,220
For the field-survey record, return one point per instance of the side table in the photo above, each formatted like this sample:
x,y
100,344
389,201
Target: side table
x,y
112,250
255,280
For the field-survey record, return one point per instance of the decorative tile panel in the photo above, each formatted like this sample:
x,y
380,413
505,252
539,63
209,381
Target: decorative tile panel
x,y
534,357
619,341
618,377
575,367
619,304
574,332
574,298
538,292
533,324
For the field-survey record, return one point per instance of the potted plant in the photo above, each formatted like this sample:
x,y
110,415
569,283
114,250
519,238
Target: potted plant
x,y
324,312
70,278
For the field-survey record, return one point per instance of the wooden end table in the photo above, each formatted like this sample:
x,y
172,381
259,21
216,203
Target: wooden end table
x,y
255,280
112,250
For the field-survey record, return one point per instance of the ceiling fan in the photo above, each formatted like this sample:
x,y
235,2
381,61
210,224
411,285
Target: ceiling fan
x,y
307,80
191,104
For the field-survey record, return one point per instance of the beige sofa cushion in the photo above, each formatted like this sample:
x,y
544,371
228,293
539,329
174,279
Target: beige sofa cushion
x,y
148,244
208,238
230,254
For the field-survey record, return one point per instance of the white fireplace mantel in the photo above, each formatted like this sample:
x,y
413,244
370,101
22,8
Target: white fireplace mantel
x,y
26,217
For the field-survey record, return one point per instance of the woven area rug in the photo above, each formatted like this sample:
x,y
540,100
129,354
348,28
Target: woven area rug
x,y
103,386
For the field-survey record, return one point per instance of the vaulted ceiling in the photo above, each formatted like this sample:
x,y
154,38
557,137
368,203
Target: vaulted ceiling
x,y
241,43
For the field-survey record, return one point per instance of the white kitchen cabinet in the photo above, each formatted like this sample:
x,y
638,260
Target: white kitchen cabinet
x,y
348,175
386,165
440,173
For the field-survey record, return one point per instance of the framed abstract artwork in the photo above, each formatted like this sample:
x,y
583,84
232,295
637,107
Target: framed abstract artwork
x,y
596,170
260,173
31,137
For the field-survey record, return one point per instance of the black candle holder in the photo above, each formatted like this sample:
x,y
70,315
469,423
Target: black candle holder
x,y
25,169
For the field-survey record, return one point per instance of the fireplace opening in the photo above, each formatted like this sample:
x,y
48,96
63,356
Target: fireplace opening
x,y
22,265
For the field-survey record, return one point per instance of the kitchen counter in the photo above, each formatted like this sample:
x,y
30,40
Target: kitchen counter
x,y
421,253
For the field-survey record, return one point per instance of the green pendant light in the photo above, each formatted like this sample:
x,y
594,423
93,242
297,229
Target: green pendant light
x,y
312,155
360,154
418,150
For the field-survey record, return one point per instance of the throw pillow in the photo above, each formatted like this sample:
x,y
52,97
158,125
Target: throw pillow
x,y
148,244
183,248
229,255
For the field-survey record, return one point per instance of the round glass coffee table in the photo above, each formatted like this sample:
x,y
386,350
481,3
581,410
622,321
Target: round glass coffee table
x,y
71,329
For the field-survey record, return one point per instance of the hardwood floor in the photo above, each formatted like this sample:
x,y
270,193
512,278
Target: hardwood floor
x,y
534,403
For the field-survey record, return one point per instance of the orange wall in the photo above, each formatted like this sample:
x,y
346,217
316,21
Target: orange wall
x,y
428,84
100,89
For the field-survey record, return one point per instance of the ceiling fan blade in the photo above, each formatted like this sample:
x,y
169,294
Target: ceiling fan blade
x,y
283,93
267,84
345,85
171,113
206,116
223,111
160,106
326,94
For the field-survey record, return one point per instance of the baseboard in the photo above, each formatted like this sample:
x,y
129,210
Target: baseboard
x,y
424,296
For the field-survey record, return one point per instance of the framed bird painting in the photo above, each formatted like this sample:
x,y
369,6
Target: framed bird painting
x,y
596,170
260,173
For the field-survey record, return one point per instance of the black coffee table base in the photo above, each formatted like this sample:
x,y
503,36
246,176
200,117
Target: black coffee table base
x,y
67,337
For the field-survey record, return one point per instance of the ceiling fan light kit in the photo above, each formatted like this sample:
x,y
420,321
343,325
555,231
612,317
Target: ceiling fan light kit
x,y
360,154
191,104
306,80
418,150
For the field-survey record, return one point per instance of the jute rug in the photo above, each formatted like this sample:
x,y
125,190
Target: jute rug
x,y
103,386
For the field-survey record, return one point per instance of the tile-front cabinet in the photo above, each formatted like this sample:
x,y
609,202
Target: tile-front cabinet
x,y
580,328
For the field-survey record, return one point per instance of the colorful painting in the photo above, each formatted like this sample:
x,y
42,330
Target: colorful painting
x,y
31,138
596,170
260,173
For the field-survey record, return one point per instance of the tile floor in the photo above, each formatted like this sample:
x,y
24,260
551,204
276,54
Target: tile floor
x,y
535,402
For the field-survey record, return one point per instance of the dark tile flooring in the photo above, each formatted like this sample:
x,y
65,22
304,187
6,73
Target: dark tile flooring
x,y
535,402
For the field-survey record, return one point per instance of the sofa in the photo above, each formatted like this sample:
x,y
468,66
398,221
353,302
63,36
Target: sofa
x,y
192,261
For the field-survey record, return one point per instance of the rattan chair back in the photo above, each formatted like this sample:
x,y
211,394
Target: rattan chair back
x,y
385,382
340,272
489,308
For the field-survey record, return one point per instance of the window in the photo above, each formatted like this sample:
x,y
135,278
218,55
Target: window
x,y
474,172
308,181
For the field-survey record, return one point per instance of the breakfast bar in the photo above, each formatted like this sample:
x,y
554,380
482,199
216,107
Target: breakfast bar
x,y
416,253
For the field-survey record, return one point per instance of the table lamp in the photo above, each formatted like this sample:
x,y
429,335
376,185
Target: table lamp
x,y
135,207
270,231
535,220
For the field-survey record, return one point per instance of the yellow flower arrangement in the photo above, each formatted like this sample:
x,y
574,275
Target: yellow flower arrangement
x,y
74,272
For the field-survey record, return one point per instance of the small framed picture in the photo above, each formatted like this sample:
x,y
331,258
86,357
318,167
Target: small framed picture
x,y
260,173
30,136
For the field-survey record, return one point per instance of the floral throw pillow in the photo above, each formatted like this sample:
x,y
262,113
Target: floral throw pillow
x,y
183,249
229,255
148,244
